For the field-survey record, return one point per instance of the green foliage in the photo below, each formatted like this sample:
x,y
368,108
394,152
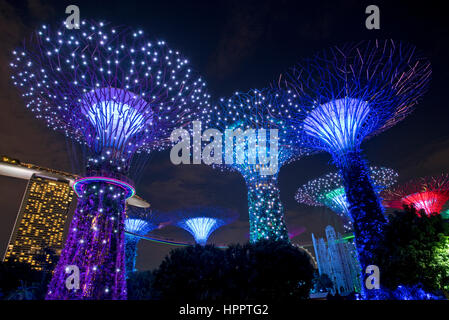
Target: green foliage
x,y
267,270
415,251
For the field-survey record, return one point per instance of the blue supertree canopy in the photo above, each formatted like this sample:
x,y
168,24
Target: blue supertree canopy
x,y
260,110
200,222
350,92
108,87
138,226
264,142
140,221
329,191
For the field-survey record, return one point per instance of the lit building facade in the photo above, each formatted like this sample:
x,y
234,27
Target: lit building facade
x,y
39,227
38,232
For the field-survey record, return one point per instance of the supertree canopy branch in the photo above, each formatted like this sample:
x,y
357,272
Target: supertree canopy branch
x,y
117,93
428,194
108,88
200,222
349,93
329,191
139,222
272,139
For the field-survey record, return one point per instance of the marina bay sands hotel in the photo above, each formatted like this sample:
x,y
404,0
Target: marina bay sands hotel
x,y
44,212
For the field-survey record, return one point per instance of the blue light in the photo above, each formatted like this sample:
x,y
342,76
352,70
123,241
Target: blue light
x,y
338,124
138,226
117,115
200,228
338,198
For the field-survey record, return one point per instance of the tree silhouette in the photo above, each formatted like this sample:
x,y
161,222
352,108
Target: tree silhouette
x,y
267,270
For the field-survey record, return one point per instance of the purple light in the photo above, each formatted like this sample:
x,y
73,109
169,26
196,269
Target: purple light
x,y
338,123
79,185
347,94
117,116
118,94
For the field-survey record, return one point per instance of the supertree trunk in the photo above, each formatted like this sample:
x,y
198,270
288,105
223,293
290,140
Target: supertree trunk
x,y
266,213
365,209
130,253
95,245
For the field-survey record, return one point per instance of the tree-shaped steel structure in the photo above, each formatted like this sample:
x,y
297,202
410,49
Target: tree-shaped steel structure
x,y
329,191
263,144
427,193
348,94
200,222
118,93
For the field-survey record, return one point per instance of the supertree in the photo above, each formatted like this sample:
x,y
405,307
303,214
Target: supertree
x,y
200,222
445,214
427,193
251,117
350,93
329,191
139,222
118,94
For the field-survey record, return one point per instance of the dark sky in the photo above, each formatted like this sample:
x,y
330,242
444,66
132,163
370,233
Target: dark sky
x,y
236,45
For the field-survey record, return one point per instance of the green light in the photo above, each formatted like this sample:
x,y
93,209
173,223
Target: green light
x,y
335,193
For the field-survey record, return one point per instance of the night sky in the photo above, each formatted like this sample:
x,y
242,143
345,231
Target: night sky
x,y
236,45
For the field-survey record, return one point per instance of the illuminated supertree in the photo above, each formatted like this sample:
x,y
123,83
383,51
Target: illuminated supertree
x,y
329,191
139,222
264,143
118,94
348,94
427,193
200,222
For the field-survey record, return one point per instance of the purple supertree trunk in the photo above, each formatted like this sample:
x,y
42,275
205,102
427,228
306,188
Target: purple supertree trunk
x,y
95,245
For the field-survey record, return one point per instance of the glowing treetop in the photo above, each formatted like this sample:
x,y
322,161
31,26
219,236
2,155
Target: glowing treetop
x,y
349,93
445,214
140,221
427,193
258,111
329,191
107,87
266,142
200,222
354,91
